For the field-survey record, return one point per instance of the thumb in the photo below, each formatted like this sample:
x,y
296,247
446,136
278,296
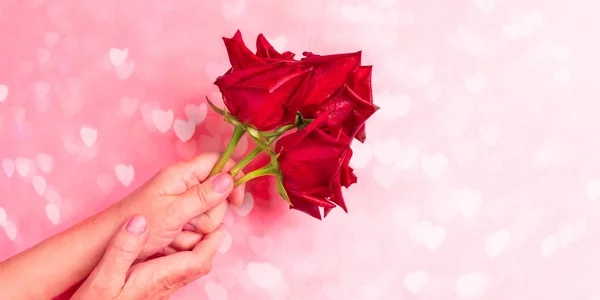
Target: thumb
x,y
122,251
203,197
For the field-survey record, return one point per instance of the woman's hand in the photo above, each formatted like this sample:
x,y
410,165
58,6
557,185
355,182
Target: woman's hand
x,y
115,278
181,197
181,206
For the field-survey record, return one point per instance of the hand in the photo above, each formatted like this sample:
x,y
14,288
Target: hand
x,y
115,278
181,206
181,197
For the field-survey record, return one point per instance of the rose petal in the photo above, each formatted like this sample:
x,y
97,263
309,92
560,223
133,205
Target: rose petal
x,y
260,95
309,209
331,72
264,49
240,56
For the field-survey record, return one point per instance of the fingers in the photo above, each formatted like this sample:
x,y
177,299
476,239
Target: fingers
x,y
124,248
237,195
109,275
188,226
200,255
191,172
185,241
196,228
210,244
182,176
203,197
210,220
169,250
164,275
185,175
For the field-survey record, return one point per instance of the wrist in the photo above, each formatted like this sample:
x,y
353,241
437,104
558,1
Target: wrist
x,y
75,260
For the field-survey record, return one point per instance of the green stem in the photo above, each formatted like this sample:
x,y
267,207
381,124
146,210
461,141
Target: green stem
x,y
245,161
266,170
248,158
238,132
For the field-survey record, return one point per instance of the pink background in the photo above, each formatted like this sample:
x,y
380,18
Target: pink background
x,y
480,177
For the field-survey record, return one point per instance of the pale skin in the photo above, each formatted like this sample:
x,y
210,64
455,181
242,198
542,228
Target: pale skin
x,y
177,214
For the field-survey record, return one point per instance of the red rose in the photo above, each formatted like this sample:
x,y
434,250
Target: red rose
x,y
352,105
266,89
260,91
330,73
314,167
342,88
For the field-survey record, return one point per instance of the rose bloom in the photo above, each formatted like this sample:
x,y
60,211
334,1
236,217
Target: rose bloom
x,y
259,90
266,89
341,87
314,163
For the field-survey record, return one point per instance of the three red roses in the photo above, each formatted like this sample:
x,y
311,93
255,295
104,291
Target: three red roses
x,y
327,99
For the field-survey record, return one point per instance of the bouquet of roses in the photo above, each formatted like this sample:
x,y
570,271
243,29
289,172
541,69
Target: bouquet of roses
x,y
303,113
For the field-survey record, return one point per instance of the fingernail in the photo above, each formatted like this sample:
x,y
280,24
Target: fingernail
x,y
189,226
221,183
136,225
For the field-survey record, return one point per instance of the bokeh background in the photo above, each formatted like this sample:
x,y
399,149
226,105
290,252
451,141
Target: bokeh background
x,y
480,177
